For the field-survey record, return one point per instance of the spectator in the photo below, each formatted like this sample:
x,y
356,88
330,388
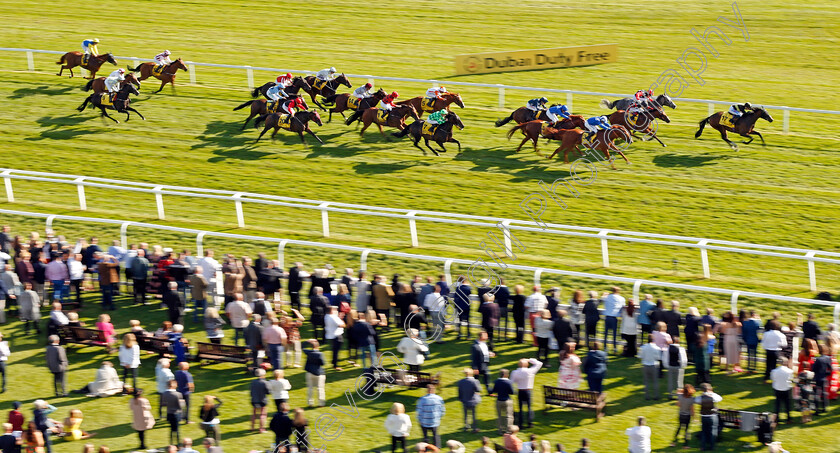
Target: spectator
x,y
41,423
274,340
16,417
412,348
106,383
249,279
534,305
489,310
398,425
8,442
612,309
629,328
318,305
486,446
209,416
781,378
564,329
685,403
454,446
30,308
4,357
568,377
430,410
269,279
315,377
104,324
592,316
293,346
518,311
469,394
650,355
523,378
198,292
646,306
296,276
676,360
512,442
213,325
185,387
300,427
363,290
403,299
480,356
129,356
141,416
175,405
543,326
57,364
187,446
109,280
238,312
810,328
773,342
708,416
503,300
702,361
210,445
691,330
749,333
163,375
58,275
253,334
462,304
281,425
383,296
595,367
334,332
503,389
822,369
731,330
673,319
259,400
279,388
434,303
639,437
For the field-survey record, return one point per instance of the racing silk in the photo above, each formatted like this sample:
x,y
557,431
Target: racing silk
x,y
284,82
361,93
595,123
534,104
437,117
561,110
385,105
112,82
89,47
433,92
289,107
162,59
276,92
325,74
737,109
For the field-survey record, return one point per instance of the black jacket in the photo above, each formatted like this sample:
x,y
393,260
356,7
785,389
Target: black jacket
x,y
590,311
477,358
253,335
295,282
281,426
564,331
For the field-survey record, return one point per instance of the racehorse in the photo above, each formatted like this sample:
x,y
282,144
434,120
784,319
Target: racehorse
x,y
260,107
327,90
625,103
441,134
298,123
395,118
643,121
120,104
572,139
523,115
445,100
166,76
339,102
743,126
98,84
72,59
298,83
534,129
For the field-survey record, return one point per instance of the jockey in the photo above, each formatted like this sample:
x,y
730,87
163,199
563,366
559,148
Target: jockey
x,y
89,47
438,117
326,74
292,104
112,82
387,103
555,110
276,92
537,104
644,97
363,92
284,80
594,124
163,58
434,93
738,110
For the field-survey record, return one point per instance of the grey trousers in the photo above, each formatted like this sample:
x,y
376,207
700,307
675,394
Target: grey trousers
x,y
650,376
675,379
504,414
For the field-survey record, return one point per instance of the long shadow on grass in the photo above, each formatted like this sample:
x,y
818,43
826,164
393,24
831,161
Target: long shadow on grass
x,y
21,93
673,160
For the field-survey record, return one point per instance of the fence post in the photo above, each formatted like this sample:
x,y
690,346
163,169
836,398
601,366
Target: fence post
x,y
199,243
786,121
537,275
81,189
192,73
501,96
240,216
837,313
704,258
30,60
812,271
363,261
325,219
10,194
159,201
569,101
412,225
605,251
371,81
49,222
506,233
124,234
250,73
637,285
733,303
711,109
447,271
281,253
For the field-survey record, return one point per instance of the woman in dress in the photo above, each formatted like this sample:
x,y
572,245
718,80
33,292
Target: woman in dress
x,y
73,426
809,352
142,419
569,375
685,403
731,329
709,335
104,324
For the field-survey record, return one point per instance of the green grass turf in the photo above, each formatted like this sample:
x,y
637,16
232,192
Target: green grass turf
x,y
784,194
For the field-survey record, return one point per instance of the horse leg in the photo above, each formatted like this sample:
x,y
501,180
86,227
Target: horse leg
x,y
364,126
246,121
313,134
330,117
302,140
265,129
618,150
416,140
523,142
426,140
105,113
453,140
162,84
442,148
759,136
135,111
609,158
565,159
747,135
723,135
274,134
656,138
381,131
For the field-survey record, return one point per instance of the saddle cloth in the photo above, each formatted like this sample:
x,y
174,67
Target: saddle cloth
x,y
536,114
587,140
158,70
353,102
85,60
727,120
429,128
382,116
545,125
106,99
273,106
319,84
285,121
427,104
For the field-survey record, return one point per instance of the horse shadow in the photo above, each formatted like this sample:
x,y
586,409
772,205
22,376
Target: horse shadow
x,y
21,93
368,168
60,128
223,135
673,160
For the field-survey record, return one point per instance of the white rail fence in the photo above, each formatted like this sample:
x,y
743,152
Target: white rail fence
x,y
200,236
249,73
604,235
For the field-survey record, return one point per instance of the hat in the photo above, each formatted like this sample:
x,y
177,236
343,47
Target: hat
x,y
16,405
328,266
167,250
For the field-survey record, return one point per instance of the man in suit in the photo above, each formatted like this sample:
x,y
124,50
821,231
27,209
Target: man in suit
x,y
462,301
502,296
261,262
268,278
253,339
810,328
295,285
591,316
318,305
480,358
444,287
469,394
673,319
383,296
822,372
347,280
564,330
175,404
6,240
57,363
175,303
489,316
362,293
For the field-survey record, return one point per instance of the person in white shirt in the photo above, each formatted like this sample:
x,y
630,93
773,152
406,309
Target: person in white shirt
x,y
334,331
129,356
210,267
639,437
772,342
58,316
413,349
534,305
77,275
4,357
781,381
162,377
398,425
675,359
279,387
523,378
435,304
650,354
613,303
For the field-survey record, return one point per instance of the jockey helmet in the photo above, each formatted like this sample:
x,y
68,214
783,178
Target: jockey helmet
x,y
543,100
603,119
166,52
299,103
121,71
394,95
368,85
332,69
747,105
650,93
288,75
95,40
442,89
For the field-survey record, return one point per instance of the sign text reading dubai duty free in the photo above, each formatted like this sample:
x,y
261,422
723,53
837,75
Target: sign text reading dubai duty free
x,y
525,60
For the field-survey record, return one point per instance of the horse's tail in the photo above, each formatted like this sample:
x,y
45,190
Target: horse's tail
x,y
607,104
137,69
88,85
329,99
245,104
404,132
504,121
255,93
702,125
355,116
514,129
82,107
260,119
61,60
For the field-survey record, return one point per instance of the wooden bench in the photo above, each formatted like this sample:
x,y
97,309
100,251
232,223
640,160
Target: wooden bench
x,y
407,378
154,345
82,335
583,399
499,448
223,353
